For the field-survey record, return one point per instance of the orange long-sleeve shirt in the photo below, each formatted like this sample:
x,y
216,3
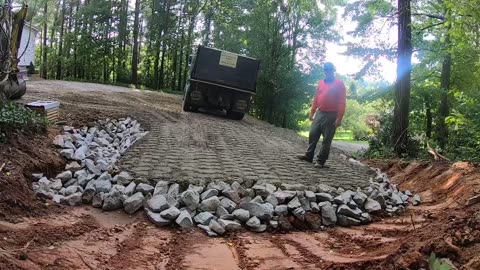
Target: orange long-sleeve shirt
x,y
330,97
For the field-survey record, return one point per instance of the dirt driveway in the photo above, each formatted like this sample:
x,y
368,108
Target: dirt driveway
x,y
199,147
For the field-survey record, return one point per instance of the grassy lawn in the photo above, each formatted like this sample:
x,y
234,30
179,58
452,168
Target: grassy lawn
x,y
346,136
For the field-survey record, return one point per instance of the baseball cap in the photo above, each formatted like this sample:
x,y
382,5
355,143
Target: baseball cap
x,y
328,66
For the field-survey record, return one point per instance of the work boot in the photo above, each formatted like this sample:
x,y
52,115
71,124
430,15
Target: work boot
x,y
304,158
320,165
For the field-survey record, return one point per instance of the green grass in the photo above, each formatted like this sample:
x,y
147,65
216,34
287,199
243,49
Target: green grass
x,y
346,136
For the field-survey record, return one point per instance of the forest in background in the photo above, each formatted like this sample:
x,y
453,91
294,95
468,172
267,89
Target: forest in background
x,y
146,43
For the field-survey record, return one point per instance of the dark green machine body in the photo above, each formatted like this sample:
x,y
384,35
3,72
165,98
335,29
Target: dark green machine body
x,y
221,80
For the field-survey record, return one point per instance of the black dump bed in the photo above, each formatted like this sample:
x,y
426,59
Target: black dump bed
x,y
225,68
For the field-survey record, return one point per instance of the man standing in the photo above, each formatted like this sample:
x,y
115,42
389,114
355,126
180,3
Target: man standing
x,y
327,111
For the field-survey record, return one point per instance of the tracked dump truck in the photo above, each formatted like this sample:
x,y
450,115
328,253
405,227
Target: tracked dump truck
x,y
221,80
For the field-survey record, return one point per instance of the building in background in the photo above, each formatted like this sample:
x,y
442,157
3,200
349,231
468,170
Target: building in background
x,y
26,51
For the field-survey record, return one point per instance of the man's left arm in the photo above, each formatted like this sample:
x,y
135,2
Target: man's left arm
x,y
341,103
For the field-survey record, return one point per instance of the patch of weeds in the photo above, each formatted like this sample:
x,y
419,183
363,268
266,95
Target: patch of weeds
x,y
435,263
16,118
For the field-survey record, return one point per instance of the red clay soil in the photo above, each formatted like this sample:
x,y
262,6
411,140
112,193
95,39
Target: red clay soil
x,y
449,228
23,155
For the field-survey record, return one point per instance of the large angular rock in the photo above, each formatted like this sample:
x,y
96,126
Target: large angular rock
x,y
157,204
305,203
346,221
133,203
324,197
184,220
72,200
230,225
64,176
372,206
257,199
103,186
130,189
73,189
198,189
281,210
294,204
315,208
310,195
284,196
157,219
323,188
208,194
228,204
299,213
174,190
58,141
262,211
232,195
221,211
112,201
253,222
343,198
259,229
210,205
264,190
191,199
124,178
329,218
171,213
416,200
73,166
88,194
271,199
97,200
349,212
144,188
55,184
203,218
80,153
241,214
161,188
396,199
359,198
92,167
67,153
216,227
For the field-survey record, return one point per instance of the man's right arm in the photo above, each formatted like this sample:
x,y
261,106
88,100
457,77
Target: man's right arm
x,y
314,103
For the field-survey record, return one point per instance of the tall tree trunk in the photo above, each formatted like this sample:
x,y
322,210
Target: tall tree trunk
x,y
122,36
444,109
429,117
161,80
402,86
44,47
68,42
60,44
135,44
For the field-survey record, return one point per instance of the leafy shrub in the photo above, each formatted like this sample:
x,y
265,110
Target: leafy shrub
x,y
16,118
380,144
435,263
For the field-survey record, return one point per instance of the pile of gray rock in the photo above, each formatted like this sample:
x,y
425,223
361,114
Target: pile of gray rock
x,y
92,153
91,177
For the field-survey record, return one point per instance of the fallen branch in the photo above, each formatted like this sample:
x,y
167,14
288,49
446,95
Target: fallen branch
x,y
435,154
3,165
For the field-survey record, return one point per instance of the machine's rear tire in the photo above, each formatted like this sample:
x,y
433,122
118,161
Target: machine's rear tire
x,y
235,115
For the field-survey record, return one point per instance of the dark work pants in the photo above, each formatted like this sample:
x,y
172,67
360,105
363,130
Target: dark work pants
x,y
323,124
